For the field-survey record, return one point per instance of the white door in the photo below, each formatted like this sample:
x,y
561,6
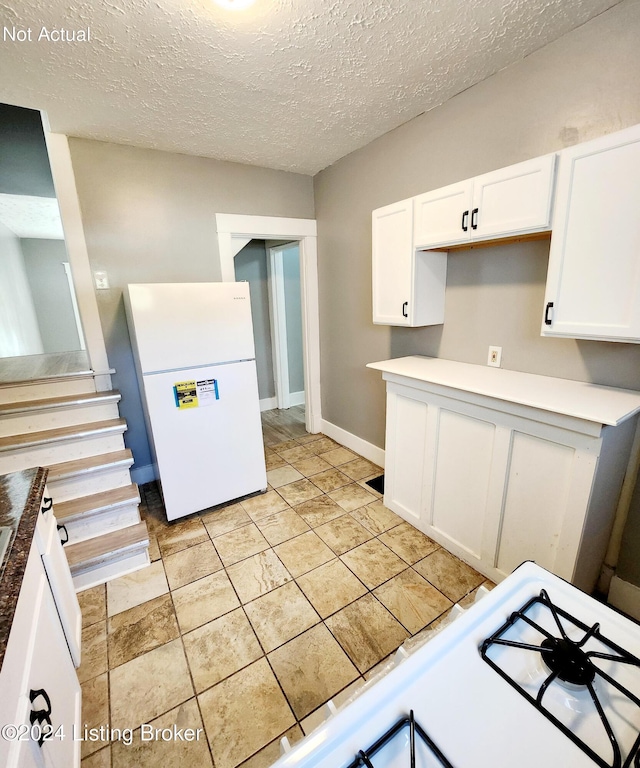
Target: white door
x,y
287,338
513,200
392,249
593,283
208,451
443,216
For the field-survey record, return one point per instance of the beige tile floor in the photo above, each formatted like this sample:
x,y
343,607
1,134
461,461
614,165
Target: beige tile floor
x,y
254,614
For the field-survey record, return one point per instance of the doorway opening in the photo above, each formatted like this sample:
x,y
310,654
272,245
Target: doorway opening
x,y
273,272
235,232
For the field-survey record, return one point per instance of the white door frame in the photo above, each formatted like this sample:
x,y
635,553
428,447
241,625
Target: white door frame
x,y
277,315
230,226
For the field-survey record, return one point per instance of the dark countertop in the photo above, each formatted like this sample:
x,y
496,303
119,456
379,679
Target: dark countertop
x,y
20,498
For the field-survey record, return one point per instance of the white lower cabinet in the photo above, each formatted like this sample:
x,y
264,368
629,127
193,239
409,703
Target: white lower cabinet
x,y
39,685
48,542
497,483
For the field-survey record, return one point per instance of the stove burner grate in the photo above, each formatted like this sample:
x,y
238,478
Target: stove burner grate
x,y
568,662
364,756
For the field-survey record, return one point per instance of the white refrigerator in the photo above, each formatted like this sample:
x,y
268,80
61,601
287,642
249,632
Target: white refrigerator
x,y
195,357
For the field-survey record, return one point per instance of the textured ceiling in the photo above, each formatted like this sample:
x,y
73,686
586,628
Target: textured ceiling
x,y
28,216
289,84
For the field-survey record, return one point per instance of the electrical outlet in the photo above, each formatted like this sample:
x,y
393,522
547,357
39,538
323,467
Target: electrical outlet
x,y
495,356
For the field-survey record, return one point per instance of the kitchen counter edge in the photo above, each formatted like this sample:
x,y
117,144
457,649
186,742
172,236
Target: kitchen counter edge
x,y
20,499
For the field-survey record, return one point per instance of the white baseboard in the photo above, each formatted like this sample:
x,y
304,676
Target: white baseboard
x,y
296,398
625,596
355,443
268,404
145,474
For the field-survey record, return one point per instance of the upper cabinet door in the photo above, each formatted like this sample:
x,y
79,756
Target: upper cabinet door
x,y
513,200
392,247
593,284
443,216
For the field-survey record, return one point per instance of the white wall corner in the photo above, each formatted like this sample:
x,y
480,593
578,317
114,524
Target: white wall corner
x,y
625,596
71,215
354,443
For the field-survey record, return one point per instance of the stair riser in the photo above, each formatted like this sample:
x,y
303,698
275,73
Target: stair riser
x,y
36,421
55,453
111,570
24,392
105,522
87,484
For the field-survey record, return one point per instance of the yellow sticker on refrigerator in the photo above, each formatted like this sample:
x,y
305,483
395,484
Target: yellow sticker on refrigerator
x,y
195,394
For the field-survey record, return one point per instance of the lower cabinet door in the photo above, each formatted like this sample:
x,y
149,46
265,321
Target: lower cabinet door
x,y
61,584
405,455
52,696
27,756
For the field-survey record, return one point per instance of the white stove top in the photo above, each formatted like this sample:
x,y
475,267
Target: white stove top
x,y
475,716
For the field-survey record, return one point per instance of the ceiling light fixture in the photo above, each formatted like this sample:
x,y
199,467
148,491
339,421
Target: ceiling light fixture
x,y
235,5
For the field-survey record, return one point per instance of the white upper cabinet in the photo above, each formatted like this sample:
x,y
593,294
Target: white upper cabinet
x,y
408,287
514,200
593,283
409,275
392,250
442,216
508,202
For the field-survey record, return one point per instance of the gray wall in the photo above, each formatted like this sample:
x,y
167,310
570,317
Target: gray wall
x,y
19,331
582,86
293,314
148,216
23,153
43,261
251,265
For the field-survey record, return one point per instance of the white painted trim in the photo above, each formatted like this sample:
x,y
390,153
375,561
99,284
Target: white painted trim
x,y
277,316
270,227
67,194
74,304
144,474
296,398
268,404
354,443
625,596
238,243
310,333
304,231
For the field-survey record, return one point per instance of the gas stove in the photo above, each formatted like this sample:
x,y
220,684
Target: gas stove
x,y
535,674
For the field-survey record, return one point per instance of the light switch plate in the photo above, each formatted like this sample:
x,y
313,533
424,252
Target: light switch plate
x,y
102,280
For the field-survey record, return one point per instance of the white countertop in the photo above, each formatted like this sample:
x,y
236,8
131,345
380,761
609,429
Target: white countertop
x,y
603,405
